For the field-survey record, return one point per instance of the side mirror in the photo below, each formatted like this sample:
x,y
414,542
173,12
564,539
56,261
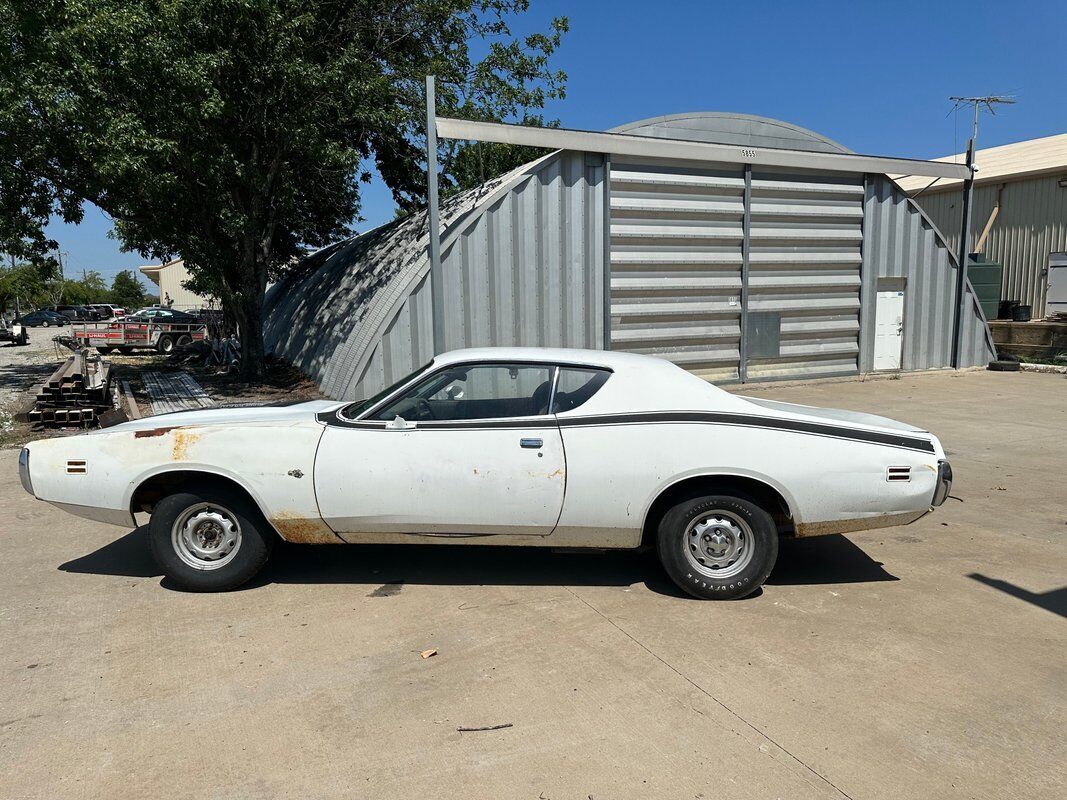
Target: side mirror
x,y
399,424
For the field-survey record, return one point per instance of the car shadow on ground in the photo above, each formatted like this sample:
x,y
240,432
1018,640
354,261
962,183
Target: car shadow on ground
x,y
816,561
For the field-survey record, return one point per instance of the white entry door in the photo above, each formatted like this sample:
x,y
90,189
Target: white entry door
x,y
888,330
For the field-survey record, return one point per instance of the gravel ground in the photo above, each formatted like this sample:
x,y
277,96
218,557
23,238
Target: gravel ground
x,y
24,367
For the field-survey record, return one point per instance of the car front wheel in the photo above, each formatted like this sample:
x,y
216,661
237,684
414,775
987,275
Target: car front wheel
x,y
718,547
209,540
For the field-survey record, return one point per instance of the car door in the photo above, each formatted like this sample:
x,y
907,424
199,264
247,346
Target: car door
x,y
470,449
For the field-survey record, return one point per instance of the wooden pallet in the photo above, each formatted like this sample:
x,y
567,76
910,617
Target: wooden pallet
x,y
174,391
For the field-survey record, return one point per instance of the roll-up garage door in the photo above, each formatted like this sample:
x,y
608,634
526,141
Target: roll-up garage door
x,y
804,275
676,257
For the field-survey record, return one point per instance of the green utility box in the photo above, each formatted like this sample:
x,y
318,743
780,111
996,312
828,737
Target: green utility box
x,y
985,277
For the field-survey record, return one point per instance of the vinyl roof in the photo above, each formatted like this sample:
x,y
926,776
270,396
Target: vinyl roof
x,y
1008,162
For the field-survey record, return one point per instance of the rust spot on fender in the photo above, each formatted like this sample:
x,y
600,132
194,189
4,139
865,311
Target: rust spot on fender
x,y
559,471
153,432
182,440
861,524
302,530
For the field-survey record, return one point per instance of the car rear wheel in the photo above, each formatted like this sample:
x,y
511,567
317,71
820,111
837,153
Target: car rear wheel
x,y
718,547
209,540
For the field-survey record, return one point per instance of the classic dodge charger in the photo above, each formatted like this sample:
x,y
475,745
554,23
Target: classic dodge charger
x,y
514,446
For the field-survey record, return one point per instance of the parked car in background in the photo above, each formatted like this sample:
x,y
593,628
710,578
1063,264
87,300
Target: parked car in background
x,y
76,313
44,318
520,446
161,314
108,311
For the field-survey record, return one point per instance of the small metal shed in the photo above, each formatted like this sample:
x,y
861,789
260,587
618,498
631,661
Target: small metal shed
x,y
740,247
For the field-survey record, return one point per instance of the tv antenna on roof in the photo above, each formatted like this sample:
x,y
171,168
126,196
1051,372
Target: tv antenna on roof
x,y
977,103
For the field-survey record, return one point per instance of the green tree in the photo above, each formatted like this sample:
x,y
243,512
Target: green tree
x,y
23,284
127,291
236,133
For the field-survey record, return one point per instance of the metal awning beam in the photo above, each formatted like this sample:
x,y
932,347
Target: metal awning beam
x,y
624,144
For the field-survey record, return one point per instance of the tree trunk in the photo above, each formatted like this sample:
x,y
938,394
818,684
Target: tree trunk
x,y
249,313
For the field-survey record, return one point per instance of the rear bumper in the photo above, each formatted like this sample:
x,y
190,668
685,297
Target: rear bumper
x,y
944,483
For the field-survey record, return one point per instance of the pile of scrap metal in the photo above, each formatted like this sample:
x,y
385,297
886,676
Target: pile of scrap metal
x,y
79,393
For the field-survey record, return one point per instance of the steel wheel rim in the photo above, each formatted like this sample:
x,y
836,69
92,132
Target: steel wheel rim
x,y
206,536
718,544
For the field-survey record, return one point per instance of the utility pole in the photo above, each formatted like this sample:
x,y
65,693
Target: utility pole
x,y
968,189
437,281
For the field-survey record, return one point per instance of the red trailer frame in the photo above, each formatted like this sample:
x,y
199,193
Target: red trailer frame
x,y
162,337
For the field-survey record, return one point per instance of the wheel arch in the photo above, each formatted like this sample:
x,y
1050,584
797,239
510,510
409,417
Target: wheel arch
x,y
151,487
760,489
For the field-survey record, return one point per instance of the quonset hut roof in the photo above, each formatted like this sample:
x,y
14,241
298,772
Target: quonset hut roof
x,y
745,130
323,314
525,262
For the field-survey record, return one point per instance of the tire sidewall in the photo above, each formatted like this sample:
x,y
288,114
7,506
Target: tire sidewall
x,y
671,543
256,541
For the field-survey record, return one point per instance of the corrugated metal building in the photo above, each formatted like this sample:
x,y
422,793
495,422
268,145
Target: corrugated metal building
x,y
787,258
1020,193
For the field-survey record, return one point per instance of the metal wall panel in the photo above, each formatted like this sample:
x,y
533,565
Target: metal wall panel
x,y
526,270
806,236
1031,224
899,242
676,235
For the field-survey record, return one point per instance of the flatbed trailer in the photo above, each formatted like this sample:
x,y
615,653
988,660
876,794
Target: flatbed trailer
x,y
163,337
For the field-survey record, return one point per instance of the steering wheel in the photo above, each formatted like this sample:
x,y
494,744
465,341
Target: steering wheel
x,y
422,409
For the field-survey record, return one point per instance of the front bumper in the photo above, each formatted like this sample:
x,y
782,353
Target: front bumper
x,y
944,483
24,470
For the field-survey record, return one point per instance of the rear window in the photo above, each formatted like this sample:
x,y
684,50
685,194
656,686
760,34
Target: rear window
x,y
576,385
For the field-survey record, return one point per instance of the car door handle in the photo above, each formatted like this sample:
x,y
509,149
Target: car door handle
x,y
532,444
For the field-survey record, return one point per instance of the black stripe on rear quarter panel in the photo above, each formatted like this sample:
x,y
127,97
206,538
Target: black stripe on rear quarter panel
x,y
751,421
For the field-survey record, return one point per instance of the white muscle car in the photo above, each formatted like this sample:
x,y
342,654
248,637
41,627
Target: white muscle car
x,y
517,446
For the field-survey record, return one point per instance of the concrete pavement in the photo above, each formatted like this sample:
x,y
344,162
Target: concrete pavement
x,y
924,661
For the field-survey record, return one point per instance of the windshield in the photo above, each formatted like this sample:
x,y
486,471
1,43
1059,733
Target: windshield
x,y
358,408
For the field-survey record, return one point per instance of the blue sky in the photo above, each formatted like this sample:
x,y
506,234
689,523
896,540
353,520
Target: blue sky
x,y
875,76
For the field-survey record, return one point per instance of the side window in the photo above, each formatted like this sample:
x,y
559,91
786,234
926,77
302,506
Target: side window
x,y
481,391
577,385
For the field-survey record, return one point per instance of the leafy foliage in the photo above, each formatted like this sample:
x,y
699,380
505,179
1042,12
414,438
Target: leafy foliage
x,y
127,291
34,285
236,133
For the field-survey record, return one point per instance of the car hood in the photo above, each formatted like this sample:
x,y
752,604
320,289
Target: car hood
x,y
276,413
836,415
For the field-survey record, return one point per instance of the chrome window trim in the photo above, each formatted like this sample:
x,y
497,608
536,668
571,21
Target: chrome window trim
x,y
554,365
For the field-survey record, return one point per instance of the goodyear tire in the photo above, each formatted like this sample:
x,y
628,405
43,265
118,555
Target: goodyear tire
x,y
208,539
718,547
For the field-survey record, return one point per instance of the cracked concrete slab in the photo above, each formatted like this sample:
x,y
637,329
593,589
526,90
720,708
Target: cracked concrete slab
x,y
924,661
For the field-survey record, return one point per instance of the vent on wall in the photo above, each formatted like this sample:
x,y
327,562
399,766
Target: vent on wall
x,y
894,474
